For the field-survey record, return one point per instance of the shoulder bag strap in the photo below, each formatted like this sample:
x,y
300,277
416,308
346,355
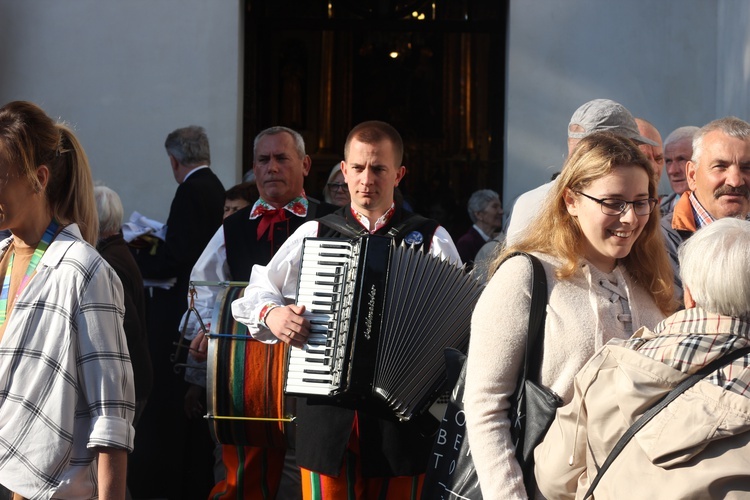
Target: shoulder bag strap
x,y
414,222
312,207
651,413
537,315
339,224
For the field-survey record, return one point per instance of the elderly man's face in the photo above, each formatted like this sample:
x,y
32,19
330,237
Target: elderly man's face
x,y
491,216
655,154
676,156
655,157
279,171
721,178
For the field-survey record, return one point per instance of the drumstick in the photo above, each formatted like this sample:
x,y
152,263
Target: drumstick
x,y
264,419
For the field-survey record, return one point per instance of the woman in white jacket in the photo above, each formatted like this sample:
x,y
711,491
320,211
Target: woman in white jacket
x,y
607,272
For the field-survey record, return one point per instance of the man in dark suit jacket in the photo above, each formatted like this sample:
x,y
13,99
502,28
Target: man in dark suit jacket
x,y
195,214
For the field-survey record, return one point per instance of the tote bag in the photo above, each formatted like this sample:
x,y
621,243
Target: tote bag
x,y
451,473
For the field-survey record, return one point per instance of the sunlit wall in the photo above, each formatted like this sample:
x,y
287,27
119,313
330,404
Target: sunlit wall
x,y
125,74
672,62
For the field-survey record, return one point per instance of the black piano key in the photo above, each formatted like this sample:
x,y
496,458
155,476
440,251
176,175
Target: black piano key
x,y
334,255
316,381
322,303
328,263
316,360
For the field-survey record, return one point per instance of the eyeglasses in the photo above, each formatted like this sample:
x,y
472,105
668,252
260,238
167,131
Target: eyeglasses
x,y
613,206
337,186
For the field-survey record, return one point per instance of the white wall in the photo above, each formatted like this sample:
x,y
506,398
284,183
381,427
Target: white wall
x,y
657,58
125,74
733,59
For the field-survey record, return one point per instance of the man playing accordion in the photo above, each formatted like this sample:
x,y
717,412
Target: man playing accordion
x,y
340,449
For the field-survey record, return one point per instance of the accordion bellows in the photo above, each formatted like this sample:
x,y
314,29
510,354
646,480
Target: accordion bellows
x,y
381,317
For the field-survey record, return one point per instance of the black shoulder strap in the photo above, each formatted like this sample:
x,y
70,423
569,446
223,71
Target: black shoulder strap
x,y
312,207
651,413
537,315
340,225
412,223
532,361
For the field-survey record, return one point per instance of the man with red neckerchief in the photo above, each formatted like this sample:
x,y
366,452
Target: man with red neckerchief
x,y
252,236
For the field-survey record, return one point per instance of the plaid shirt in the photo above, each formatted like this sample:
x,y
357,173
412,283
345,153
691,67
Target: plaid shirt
x,y
66,383
692,338
702,217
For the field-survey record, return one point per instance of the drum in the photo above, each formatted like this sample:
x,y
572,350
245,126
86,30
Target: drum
x,y
245,382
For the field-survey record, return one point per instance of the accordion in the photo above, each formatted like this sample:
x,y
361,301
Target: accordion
x,y
381,317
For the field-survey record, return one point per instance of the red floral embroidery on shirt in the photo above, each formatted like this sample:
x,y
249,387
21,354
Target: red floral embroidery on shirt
x,y
381,222
297,206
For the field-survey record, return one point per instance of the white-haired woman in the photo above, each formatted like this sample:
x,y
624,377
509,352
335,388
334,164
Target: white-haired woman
x,y
336,192
113,248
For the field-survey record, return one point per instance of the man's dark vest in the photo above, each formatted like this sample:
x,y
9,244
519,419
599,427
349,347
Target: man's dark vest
x,y
245,250
403,224
388,448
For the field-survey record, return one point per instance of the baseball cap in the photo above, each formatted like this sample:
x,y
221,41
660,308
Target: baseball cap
x,y
603,114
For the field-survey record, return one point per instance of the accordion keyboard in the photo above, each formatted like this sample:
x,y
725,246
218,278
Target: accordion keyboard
x,y
381,318
322,289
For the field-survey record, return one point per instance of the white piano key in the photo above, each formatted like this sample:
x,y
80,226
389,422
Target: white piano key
x,y
322,290
307,389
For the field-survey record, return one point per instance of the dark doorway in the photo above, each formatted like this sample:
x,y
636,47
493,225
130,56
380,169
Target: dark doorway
x,y
434,70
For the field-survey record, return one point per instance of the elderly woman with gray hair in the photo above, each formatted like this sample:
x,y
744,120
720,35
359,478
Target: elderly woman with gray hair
x,y
115,251
336,192
486,214
697,446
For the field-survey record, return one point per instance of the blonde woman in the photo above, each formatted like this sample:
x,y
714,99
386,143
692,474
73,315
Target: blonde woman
x,y
607,272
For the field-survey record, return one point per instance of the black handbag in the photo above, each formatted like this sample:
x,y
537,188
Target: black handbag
x,y
533,405
451,472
